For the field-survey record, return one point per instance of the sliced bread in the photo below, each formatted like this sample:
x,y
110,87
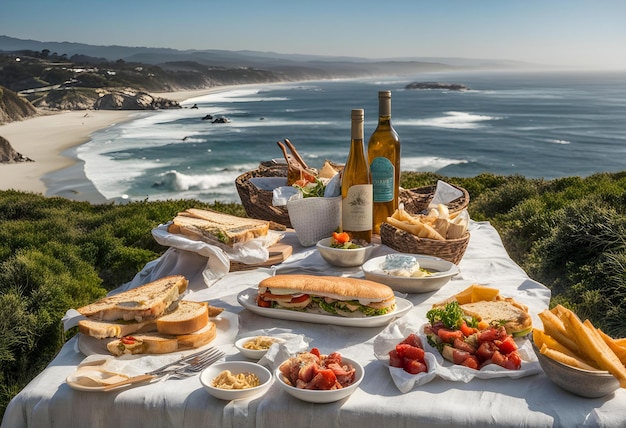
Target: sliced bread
x,y
186,317
215,227
155,343
145,302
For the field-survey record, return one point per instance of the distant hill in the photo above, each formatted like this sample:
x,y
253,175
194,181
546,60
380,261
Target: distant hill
x,y
77,76
271,61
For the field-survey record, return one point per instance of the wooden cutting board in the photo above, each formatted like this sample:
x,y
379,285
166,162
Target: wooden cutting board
x,y
278,254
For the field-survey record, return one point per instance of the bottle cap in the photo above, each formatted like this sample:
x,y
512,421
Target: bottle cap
x,y
384,94
358,114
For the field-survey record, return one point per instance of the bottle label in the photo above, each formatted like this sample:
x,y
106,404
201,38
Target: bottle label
x,y
356,208
383,175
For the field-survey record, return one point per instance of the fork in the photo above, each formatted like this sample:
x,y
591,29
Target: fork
x,y
191,364
196,366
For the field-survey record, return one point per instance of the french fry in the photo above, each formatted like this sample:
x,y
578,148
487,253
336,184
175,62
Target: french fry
x,y
542,339
620,351
566,358
621,342
553,326
595,348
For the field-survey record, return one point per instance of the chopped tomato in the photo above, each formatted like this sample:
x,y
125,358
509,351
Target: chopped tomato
x,y
413,339
409,351
414,366
341,237
471,362
395,360
315,352
508,345
447,336
513,361
263,303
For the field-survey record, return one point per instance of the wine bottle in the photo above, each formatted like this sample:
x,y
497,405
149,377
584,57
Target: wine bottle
x,y
383,153
356,186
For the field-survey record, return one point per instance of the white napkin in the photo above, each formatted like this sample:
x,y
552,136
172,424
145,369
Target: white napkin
x,y
444,193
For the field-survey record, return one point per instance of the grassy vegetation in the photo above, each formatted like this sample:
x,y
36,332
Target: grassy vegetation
x,y
568,234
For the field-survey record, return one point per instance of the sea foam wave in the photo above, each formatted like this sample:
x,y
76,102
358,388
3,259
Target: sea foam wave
x,y
427,163
451,119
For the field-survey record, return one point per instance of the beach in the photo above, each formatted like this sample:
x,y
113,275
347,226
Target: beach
x,y
48,140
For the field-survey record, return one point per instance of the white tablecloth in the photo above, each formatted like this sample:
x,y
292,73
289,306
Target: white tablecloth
x,y
531,401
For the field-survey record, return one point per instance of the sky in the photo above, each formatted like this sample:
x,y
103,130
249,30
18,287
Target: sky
x,y
574,33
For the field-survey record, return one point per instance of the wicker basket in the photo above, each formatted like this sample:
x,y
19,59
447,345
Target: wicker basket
x,y
258,202
451,250
415,202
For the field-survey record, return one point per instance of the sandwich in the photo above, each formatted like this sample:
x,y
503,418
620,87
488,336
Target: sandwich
x,y
186,317
348,297
217,228
504,312
145,302
156,343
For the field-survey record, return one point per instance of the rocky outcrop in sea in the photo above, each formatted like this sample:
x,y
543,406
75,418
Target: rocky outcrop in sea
x,y
437,85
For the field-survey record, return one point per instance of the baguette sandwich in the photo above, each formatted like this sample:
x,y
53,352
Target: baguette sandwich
x,y
348,297
217,228
185,318
145,302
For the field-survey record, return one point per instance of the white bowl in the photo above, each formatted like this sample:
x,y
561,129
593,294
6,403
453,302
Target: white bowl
x,y
319,396
236,367
344,257
443,271
255,354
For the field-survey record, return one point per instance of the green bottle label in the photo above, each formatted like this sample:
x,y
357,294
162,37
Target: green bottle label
x,y
382,171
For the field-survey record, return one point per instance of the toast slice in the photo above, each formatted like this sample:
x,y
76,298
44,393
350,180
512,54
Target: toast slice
x,y
215,227
145,302
186,318
155,343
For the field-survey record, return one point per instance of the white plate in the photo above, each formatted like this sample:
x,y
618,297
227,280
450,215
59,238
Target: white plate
x,y
443,272
95,372
226,323
247,299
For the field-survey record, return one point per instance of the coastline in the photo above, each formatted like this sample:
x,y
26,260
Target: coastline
x,y
51,138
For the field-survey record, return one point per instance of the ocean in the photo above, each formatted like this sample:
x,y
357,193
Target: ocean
x,y
536,124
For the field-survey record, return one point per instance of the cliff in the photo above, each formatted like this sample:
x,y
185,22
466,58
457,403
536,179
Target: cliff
x,y
13,107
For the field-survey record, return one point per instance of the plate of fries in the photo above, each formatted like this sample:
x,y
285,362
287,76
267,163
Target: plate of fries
x,y
577,356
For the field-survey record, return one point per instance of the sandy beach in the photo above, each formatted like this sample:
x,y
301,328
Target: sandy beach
x,y
48,140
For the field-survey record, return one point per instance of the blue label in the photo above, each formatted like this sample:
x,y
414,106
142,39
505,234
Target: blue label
x,y
382,171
